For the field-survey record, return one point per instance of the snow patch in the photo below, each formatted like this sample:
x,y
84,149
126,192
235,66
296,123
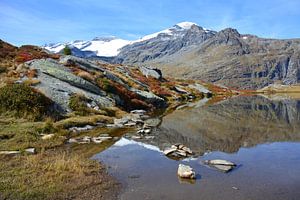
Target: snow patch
x,y
104,48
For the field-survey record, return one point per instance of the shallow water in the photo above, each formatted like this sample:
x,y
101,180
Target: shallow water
x,y
260,135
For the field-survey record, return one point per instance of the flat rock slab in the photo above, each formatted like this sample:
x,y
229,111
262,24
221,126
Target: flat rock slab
x,y
221,165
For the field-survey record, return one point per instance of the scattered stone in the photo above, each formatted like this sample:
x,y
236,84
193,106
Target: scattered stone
x,y
140,112
130,124
87,139
9,152
178,150
72,140
180,90
47,136
97,140
29,150
80,129
185,171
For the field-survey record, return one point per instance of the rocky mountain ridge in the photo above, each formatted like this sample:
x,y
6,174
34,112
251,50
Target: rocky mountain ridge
x,y
227,57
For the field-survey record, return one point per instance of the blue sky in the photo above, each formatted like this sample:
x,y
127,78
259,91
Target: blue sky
x,y
43,21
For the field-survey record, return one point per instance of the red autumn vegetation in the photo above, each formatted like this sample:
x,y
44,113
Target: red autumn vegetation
x,y
129,99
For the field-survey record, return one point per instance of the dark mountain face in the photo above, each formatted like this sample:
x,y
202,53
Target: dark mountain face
x,y
225,57
163,45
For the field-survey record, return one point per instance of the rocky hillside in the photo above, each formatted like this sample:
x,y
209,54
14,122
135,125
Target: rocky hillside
x,y
94,87
226,57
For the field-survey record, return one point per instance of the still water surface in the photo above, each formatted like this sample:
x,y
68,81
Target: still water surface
x,y
260,135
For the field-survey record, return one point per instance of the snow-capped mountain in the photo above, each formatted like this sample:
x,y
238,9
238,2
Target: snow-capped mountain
x,y
99,46
111,46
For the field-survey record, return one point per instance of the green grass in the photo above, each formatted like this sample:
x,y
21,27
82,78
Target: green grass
x,y
19,134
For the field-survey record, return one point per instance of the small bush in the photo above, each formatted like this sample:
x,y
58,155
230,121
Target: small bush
x,y
24,101
67,50
78,103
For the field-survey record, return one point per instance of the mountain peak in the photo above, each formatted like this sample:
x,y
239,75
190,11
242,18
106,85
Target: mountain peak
x,y
185,25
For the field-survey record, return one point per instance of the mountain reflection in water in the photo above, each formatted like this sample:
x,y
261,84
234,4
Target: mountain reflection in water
x,y
231,124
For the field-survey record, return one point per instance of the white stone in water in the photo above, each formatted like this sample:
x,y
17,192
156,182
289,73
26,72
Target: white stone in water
x,y
185,171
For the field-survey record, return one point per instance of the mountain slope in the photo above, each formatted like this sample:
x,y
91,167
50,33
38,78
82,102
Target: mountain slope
x,y
226,57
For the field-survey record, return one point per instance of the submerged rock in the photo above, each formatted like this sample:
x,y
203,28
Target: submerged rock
x,y
185,171
219,162
222,165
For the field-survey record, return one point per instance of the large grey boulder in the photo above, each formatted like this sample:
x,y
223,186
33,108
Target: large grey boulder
x,y
151,72
56,70
150,97
59,84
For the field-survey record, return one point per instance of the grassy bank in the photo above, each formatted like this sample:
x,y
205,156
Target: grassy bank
x,y
54,172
